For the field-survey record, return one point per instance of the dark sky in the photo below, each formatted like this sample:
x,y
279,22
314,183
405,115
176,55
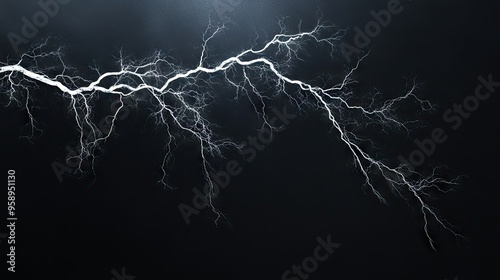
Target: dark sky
x,y
301,187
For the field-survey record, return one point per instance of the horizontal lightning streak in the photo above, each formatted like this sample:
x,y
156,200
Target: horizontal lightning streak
x,y
172,92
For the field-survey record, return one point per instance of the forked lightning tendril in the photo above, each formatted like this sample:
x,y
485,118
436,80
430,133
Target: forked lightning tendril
x,y
180,100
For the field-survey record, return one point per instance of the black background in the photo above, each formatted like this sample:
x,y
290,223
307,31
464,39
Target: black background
x,y
302,186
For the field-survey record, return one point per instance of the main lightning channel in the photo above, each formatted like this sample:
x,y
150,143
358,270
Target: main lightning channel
x,y
182,95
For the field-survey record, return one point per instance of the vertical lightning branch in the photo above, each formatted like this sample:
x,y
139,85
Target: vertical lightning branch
x,y
180,99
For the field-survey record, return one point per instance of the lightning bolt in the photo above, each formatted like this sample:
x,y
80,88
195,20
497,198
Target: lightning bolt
x,y
180,100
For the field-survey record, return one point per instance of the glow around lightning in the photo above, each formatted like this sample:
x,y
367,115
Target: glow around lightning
x,y
180,99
